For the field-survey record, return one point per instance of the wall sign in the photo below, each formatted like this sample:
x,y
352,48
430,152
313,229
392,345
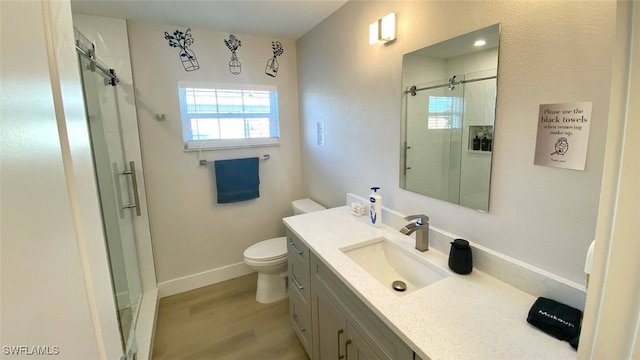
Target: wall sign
x,y
563,135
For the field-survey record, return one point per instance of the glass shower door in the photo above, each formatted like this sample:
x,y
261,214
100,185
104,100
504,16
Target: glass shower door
x,y
117,190
434,118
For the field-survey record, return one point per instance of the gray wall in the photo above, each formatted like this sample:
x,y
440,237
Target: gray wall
x,y
551,52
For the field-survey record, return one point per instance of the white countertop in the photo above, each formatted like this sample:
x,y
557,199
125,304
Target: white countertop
x,y
462,317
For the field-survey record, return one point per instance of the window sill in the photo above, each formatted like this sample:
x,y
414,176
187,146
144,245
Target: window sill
x,y
191,146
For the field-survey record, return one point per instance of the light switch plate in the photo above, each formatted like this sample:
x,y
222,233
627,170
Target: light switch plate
x,y
320,133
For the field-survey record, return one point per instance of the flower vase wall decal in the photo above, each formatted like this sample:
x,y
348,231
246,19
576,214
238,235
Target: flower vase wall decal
x,y
233,44
272,64
183,40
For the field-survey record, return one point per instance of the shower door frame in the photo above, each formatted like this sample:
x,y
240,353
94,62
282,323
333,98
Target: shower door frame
x,y
119,182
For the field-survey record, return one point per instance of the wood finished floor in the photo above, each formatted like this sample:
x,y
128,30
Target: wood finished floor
x,y
224,322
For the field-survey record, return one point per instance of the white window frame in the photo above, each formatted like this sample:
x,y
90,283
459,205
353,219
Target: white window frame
x,y
218,144
453,116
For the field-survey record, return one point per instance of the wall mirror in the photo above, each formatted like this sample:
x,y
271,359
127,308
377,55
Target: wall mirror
x,y
448,112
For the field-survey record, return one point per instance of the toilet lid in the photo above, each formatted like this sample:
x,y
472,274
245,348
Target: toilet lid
x,y
268,249
305,206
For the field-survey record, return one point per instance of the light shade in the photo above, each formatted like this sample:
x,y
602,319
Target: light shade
x,y
388,31
383,30
374,32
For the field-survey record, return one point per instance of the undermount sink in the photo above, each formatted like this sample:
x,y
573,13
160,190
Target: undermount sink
x,y
388,263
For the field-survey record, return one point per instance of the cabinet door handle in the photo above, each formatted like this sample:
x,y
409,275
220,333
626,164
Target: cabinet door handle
x,y
346,349
340,355
295,281
295,320
298,251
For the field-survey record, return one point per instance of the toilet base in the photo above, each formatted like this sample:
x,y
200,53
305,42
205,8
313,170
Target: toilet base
x,y
271,287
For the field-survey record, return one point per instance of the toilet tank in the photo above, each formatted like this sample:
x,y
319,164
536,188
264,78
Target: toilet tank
x,y
304,206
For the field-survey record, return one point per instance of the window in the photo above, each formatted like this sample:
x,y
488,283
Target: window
x,y
221,116
445,112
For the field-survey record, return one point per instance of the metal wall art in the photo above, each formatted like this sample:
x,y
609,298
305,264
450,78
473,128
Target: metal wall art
x,y
272,64
183,40
233,44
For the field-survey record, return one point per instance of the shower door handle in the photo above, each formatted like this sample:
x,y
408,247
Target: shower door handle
x,y
134,183
405,148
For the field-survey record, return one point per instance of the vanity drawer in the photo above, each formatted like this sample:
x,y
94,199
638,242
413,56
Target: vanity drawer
x,y
300,320
299,282
297,250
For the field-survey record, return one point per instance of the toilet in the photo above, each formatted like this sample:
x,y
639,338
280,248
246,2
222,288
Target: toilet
x,y
269,259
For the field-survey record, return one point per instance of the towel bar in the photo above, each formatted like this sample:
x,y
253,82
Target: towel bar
x,y
264,157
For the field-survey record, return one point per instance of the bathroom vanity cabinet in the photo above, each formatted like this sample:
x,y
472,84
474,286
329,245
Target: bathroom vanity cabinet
x,y
299,290
339,309
329,319
335,337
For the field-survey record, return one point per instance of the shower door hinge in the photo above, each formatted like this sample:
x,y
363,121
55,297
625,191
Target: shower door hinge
x,y
113,79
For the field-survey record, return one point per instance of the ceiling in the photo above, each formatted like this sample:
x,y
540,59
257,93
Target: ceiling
x,y
276,18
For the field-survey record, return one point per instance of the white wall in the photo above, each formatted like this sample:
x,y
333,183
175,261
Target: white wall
x,y
611,325
197,241
550,52
55,284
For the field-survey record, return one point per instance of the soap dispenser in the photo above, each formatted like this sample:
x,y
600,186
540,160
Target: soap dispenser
x,y
375,207
484,144
460,258
476,143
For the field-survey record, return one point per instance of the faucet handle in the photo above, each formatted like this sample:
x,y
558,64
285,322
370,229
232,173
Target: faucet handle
x,y
420,219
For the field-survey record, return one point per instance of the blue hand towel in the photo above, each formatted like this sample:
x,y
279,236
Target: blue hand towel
x,y
237,180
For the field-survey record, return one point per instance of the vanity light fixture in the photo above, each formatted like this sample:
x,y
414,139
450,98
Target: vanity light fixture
x,y
383,30
479,43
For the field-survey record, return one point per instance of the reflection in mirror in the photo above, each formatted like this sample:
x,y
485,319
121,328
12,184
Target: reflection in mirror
x,y
448,112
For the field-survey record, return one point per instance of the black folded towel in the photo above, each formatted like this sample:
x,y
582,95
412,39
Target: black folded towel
x,y
556,319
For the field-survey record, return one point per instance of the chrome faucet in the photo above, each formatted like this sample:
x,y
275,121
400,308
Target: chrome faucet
x,y
421,227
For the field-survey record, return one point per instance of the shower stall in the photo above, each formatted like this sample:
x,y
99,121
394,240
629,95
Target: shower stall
x,y
449,93
117,185
446,119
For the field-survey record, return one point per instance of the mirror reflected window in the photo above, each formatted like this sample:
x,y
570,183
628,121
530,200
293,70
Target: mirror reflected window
x,y
448,113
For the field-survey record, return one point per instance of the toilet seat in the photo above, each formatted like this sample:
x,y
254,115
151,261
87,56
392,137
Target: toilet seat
x,y
267,250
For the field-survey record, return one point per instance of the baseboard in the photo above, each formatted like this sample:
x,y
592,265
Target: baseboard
x,y
523,276
209,277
